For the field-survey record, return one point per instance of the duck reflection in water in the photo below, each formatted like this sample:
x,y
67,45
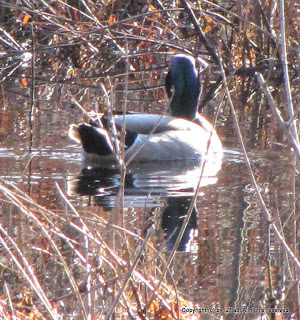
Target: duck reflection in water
x,y
141,191
172,220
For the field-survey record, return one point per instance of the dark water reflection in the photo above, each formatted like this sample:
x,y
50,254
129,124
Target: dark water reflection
x,y
167,185
224,258
147,179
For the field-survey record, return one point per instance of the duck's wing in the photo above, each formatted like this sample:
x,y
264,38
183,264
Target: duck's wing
x,y
145,123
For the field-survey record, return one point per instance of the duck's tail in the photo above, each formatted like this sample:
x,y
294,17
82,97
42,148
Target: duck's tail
x,y
94,140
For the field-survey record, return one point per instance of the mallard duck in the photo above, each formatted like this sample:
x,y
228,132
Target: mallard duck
x,y
184,135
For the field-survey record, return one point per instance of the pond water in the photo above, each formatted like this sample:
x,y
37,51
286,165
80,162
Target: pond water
x,y
228,256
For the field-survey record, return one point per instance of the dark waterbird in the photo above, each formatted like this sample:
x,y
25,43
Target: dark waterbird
x,y
185,135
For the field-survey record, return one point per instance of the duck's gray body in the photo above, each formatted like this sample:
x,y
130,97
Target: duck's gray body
x,y
185,135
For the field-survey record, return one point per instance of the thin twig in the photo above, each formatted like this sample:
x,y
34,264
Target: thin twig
x,y
290,107
14,199
253,180
284,126
129,273
26,269
201,34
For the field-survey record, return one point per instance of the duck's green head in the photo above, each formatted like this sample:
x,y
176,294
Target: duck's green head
x,y
183,86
